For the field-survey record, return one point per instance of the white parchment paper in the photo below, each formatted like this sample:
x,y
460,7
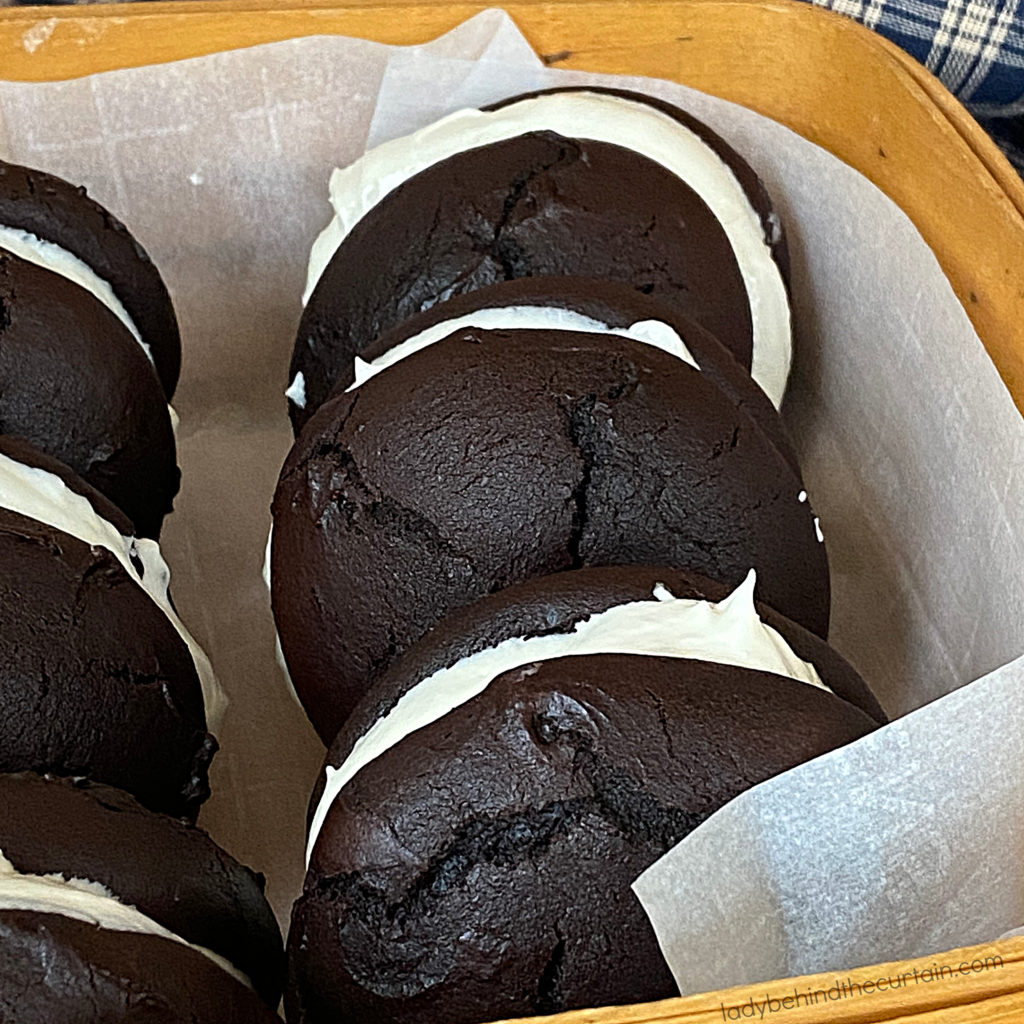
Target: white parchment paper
x,y
904,843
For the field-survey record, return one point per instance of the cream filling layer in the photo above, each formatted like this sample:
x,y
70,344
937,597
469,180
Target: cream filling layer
x,y
92,903
729,632
633,125
549,318
51,256
297,390
44,497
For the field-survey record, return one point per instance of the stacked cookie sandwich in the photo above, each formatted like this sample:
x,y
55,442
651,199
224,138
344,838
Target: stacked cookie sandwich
x,y
109,912
112,906
545,574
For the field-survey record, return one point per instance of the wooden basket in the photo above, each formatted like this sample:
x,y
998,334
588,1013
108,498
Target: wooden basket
x,y
825,77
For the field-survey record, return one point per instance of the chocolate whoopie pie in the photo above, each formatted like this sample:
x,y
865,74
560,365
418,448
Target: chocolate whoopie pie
x,y
65,229
98,677
599,183
76,384
56,969
491,800
495,456
170,871
574,303
553,605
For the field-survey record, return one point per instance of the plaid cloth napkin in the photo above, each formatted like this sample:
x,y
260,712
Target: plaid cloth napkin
x,y
976,47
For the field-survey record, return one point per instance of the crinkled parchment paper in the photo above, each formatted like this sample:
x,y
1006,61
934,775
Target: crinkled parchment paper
x,y
905,843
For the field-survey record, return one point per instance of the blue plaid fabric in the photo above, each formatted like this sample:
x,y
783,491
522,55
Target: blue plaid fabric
x,y
976,47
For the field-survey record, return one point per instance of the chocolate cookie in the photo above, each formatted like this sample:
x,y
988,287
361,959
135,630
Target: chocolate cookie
x,y
38,486
492,457
170,871
56,969
76,384
99,677
57,224
574,303
472,856
600,184
553,607
753,188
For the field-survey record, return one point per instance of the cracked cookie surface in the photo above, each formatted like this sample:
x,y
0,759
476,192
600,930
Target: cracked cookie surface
x,y
613,304
481,868
493,457
95,681
534,205
555,604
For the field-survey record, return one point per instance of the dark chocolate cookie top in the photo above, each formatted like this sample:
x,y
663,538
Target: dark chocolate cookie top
x,y
493,457
94,678
75,384
56,211
58,970
481,868
771,225
537,203
168,869
42,488
555,604
615,305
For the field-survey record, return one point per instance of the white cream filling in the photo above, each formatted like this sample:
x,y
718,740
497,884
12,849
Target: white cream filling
x,y
729,633
51,256
44,497
550,318
297,390
356,189
92,903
